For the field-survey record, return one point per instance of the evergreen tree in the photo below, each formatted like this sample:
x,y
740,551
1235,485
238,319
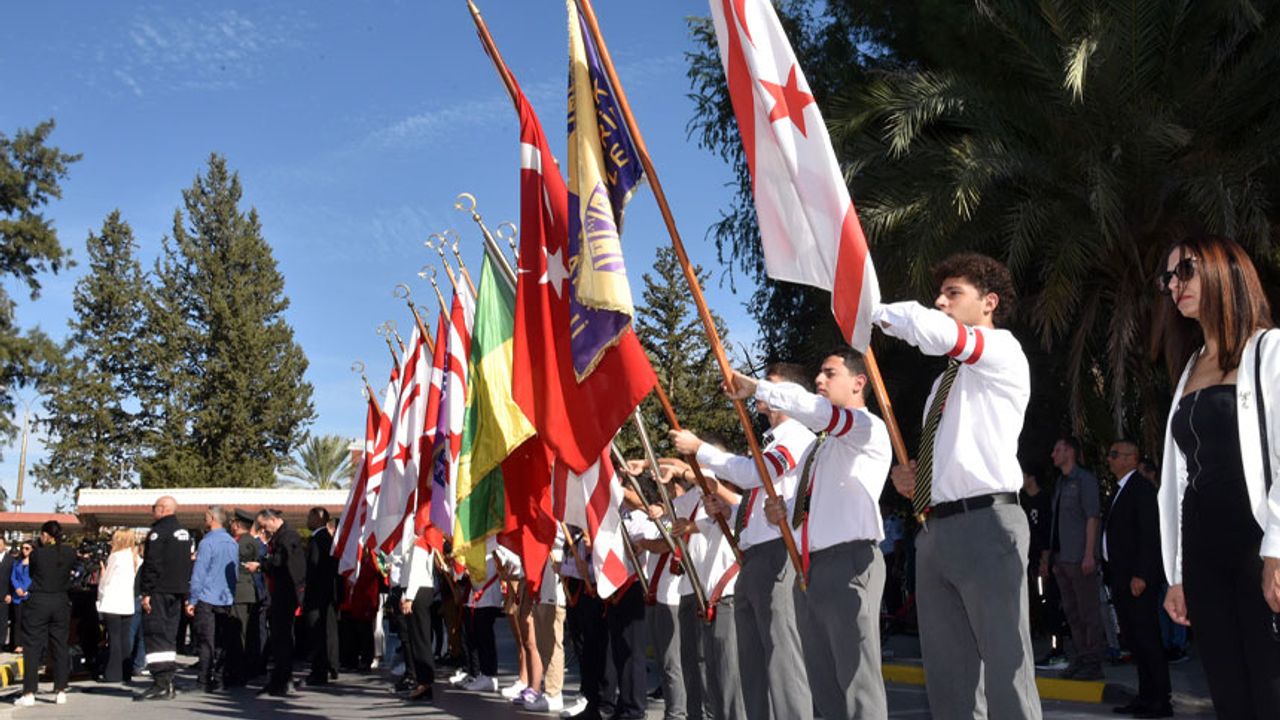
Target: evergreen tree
x,y
234,403
671,332
30,172
94,435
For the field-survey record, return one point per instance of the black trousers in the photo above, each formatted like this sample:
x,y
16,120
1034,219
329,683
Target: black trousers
x,y
119,664
4,624
47,619
280,619
482,647
1139,619
212,626
322,626
417,639
593,656
237,669
160,635
627,638
1221,574
18,637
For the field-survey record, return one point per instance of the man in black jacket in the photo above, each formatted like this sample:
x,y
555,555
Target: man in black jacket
x,y
320,602
6,592
164,581
286,576
1131,551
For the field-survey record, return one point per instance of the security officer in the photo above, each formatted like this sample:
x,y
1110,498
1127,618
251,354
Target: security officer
x,y
164,581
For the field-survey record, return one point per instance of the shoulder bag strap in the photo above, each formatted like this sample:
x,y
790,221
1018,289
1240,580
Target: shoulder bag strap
x,y
1262,410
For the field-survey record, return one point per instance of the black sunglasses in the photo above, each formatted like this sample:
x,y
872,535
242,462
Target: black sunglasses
x,y
1184,271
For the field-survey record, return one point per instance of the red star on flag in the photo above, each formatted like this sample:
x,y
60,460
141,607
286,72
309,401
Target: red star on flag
x,y
788,100
402,453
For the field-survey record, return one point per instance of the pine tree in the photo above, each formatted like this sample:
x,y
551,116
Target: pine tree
x,y
95,430
30,171
671,332
235,402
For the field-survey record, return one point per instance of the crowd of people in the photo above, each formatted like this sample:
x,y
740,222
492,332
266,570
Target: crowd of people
x,y
739,625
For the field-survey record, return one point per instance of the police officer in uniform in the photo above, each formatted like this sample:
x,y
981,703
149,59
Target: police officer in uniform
x,y
164,581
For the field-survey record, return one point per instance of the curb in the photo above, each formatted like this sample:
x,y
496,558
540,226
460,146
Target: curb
x,y
1081,691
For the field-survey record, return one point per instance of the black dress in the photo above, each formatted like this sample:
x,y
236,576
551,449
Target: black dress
x,y
1221,569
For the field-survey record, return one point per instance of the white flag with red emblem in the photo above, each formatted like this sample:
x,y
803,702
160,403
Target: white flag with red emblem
x,y
590,501
808,227
397,494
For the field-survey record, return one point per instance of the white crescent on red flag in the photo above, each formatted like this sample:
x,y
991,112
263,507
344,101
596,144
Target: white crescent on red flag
x,y
808,226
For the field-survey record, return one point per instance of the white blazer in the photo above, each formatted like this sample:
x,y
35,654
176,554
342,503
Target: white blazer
x,y
115,586
1173,483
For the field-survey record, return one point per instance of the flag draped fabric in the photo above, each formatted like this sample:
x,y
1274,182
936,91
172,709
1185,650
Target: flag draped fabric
x,y
590,501
398,493
576,417
604,171
462,313
378,461
436,507
808,226
495,425
346,547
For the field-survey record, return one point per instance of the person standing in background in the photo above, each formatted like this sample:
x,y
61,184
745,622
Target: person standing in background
x,y
213,586
1077,512
242,635
6,592
286,572
48,615
20,581
164,579
320,601
116,604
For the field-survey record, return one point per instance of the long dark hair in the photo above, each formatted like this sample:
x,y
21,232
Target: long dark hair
x,y
1233,305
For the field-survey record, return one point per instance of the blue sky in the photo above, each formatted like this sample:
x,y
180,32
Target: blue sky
x,y
353,126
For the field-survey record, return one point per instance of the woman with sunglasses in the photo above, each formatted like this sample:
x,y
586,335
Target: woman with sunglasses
x,y
20,579
48,615
1217,522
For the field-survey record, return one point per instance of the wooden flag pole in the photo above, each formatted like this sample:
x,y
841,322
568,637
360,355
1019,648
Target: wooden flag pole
x,y
578,561
428,272
453,279
462,266
385,331
422,328
886,407
695,288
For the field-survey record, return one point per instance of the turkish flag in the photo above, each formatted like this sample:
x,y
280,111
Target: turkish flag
x,y
577,419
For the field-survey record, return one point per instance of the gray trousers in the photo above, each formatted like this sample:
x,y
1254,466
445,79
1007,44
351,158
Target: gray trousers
x,y
664,630
720,646
770,659
839,621
972,602
692,660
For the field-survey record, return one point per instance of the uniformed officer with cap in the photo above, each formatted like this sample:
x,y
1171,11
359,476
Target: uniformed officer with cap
x,y
164,581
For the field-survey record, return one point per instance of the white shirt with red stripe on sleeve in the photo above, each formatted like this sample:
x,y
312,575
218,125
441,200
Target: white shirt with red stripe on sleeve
x,y
784,451
975,451
849,471
713,555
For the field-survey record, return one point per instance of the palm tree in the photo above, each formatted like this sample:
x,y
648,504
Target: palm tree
x,y
1076,140
322,463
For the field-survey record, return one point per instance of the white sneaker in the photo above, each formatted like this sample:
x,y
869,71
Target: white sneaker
x,y
459,678
546,703
61,698
25,701
575,709
481,683
513,690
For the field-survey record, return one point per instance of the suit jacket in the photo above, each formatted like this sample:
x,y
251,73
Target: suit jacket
x,y
286,567
6,569
1133,535
246,587
322,570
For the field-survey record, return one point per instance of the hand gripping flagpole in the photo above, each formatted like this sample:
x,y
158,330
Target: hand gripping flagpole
x,y
677,543
422,328
695,288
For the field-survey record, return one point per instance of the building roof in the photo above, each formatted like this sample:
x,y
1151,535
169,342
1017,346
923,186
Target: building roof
x,y
33,520
132,508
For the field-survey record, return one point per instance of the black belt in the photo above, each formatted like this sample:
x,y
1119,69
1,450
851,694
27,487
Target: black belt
x,y
955,507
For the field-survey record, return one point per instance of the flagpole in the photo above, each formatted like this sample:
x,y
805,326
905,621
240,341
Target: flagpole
x,y
422,328
677,543
695,288
632,555
462,266
886,407
385,331
490,244
453,280
578,561
425,275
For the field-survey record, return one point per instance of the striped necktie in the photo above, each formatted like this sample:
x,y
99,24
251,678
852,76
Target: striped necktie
x,y
923,496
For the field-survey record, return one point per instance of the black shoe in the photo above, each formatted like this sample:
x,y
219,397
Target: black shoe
x,y
156,692
1158,711
422,693
1127,709
333,674
404,684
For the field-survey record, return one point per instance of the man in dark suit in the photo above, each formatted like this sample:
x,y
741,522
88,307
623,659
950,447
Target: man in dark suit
x,y
1131,550
320,602
243,657
6,594
286,576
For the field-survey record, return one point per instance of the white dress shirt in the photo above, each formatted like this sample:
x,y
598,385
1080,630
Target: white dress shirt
x,y
689,507
1119,489
634,524
552,590
664,584
975,450
848,471
714,556
783,452
419,572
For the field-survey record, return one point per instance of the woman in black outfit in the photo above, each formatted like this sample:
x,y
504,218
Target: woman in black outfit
x,y
48,614
1217,522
